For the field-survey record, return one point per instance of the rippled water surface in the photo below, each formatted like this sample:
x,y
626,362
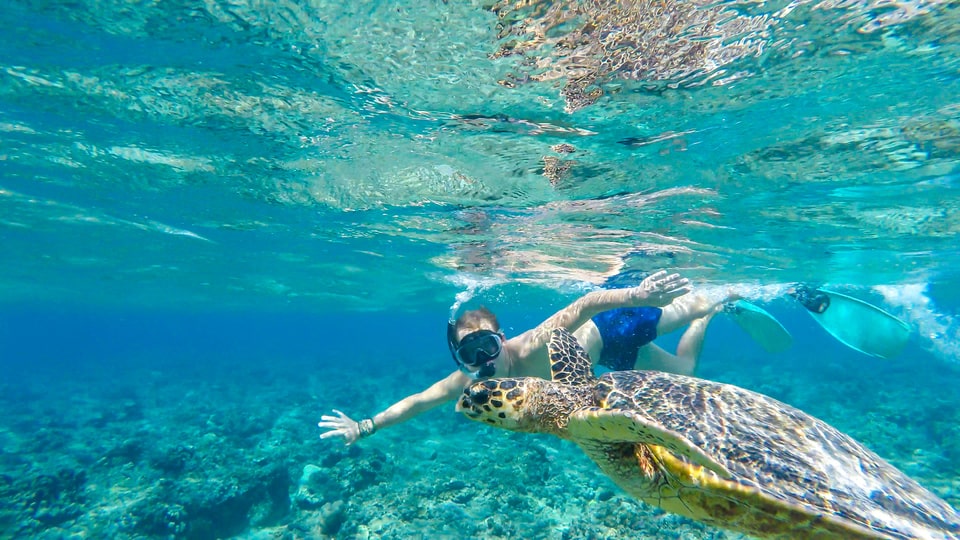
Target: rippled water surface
x,y
364,154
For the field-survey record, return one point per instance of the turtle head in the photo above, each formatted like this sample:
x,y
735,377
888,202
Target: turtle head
x,y
527,404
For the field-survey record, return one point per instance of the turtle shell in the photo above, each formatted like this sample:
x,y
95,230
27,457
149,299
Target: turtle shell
x,y
789,472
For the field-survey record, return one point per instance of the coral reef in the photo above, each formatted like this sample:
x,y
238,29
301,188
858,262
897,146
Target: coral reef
x,y
218,454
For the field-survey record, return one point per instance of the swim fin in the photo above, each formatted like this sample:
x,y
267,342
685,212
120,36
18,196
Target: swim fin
x,y
855,323
762,326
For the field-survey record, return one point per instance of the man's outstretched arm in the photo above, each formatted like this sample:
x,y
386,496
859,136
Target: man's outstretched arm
x,y
351,430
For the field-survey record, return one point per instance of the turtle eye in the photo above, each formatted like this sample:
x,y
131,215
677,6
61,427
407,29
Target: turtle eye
x,y
479,397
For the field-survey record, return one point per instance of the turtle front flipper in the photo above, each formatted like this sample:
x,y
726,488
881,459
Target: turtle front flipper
x,y
615,425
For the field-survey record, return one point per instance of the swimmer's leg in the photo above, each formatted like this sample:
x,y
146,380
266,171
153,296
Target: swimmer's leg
x,y
685,362
683,311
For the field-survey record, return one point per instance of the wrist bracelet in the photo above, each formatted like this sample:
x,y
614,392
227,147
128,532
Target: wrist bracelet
x,y
366,427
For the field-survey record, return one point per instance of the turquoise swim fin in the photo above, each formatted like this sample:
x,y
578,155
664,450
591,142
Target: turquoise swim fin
x,y
762,326
855,323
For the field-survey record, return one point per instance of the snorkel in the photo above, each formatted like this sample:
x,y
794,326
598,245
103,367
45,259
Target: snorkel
x,y
452,341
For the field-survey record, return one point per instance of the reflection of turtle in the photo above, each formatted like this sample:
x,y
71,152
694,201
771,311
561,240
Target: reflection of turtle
x,y
714,452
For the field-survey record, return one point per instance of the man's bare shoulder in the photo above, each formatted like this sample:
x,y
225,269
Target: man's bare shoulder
x,y
520,345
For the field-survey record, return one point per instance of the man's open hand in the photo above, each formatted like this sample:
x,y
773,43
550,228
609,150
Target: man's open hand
x,y
659,289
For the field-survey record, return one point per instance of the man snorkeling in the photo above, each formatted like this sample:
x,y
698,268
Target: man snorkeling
x,y
616,326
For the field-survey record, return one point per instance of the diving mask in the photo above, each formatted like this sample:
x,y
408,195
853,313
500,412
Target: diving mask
x,y
476,352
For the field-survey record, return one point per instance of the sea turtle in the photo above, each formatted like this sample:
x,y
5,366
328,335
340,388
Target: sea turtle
x,y
714,452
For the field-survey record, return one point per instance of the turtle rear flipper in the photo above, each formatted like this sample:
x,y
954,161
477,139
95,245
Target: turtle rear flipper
x,y
615,425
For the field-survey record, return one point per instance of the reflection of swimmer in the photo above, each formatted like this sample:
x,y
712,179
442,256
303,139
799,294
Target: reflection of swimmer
x,y
554,168
573,42
855,323
616,326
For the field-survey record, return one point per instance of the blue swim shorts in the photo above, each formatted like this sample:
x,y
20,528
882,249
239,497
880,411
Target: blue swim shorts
x,y
624,331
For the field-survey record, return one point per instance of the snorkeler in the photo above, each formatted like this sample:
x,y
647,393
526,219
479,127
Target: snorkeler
x,y
615,326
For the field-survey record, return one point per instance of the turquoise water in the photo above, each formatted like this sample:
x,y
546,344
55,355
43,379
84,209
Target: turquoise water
x,y
220,220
